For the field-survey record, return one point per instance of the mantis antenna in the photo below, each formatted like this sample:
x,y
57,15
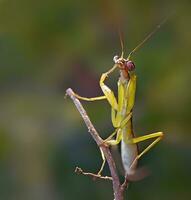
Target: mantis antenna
x,y
147,38
121,42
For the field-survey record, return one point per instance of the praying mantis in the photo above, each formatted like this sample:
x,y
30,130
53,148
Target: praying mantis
x,y
122,110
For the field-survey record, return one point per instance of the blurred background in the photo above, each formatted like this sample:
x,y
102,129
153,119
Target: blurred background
x,y
48,46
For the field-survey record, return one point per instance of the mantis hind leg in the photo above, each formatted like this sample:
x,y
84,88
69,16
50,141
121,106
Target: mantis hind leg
x,y
157,135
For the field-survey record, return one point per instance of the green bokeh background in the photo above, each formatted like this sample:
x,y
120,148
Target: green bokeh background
x,y
48,46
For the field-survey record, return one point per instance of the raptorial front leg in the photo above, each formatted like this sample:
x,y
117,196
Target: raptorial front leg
x,y
114,119
107,91
130,92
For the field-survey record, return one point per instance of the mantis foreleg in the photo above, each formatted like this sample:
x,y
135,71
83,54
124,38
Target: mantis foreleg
x,y
108,93
90,99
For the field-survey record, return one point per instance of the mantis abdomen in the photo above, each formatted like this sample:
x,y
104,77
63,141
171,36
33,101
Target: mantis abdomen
x,y
129,151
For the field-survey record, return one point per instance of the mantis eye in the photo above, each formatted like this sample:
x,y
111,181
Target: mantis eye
x,y
129,65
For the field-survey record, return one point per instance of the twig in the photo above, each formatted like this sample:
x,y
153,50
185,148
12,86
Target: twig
x,y
78,170
118,189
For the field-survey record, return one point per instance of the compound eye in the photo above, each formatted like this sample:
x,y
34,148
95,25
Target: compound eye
x,y
130,65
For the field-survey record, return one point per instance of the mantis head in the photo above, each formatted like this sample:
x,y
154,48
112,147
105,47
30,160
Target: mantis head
x,y
124,64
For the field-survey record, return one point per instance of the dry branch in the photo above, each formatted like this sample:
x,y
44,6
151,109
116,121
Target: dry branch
x,y
118,189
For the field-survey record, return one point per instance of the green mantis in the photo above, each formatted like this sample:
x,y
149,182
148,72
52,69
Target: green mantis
x,y
122,109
